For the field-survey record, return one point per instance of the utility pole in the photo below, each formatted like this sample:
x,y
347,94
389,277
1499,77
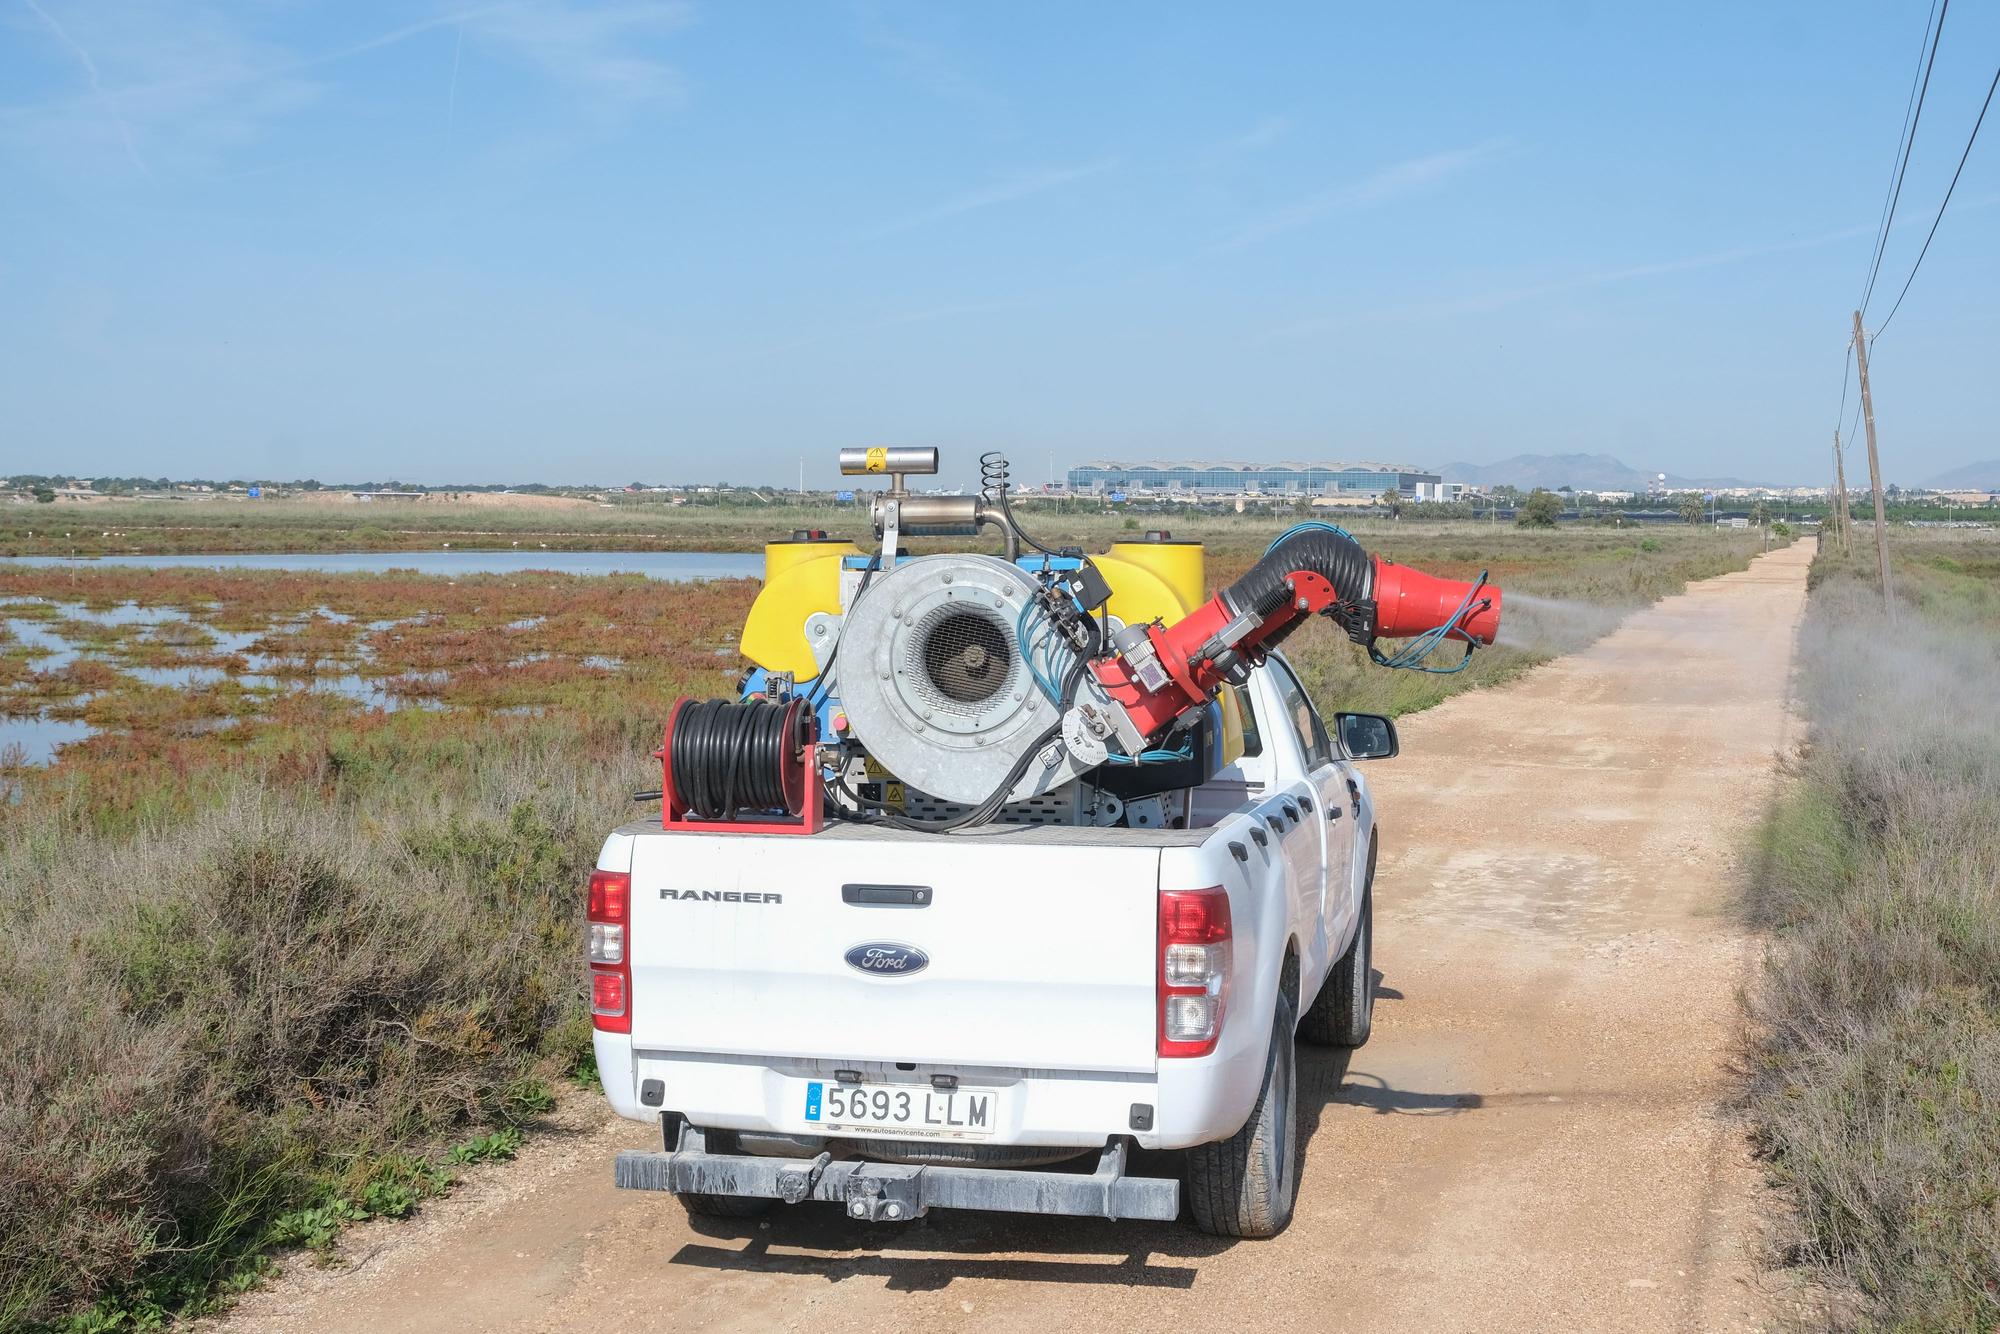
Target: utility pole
x,y
1843,523
1874,467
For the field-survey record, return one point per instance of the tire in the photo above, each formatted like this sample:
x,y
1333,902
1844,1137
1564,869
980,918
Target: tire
x,y
724,1206
1343,1014
1247,1185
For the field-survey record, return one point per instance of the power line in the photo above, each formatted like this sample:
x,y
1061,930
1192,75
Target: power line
x,y
1909,102
1941,207
1912,117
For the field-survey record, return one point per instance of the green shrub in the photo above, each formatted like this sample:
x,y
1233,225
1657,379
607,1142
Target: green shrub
x,y
1540,510
501,1144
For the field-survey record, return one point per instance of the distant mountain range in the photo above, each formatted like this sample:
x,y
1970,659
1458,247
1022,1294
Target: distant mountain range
x,y
1585,472
1983,476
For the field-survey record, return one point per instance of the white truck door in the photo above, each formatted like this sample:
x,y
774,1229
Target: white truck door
x,y
1330,822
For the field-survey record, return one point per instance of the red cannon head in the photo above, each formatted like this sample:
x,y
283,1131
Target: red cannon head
x,y
1408,602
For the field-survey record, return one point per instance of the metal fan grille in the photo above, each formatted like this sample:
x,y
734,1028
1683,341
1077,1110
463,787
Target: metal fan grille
x,y
965,656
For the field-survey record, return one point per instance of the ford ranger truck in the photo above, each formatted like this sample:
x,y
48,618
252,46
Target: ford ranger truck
x,y
893,1021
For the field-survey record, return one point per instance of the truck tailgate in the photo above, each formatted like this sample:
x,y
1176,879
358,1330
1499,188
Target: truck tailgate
x,y
1038,955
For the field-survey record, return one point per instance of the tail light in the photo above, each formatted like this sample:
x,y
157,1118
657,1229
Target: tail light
x,y
1194,969
610,921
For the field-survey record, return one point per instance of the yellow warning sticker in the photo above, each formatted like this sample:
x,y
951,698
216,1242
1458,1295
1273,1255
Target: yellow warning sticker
x,y
892,794
878,459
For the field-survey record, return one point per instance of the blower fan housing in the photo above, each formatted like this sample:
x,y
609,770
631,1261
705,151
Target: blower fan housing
x,y
934,685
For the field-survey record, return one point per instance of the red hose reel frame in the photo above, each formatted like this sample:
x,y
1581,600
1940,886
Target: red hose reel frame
x,y
804,801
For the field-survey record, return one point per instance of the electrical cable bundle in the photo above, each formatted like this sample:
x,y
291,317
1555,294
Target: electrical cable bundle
x,y
1050,657
726,757
1047,654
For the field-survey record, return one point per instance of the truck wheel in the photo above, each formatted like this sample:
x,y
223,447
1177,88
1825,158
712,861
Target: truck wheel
x,y
724,1206
1246,1185
1344,1011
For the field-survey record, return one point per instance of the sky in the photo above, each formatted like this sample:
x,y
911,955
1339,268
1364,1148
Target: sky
x,y
534,241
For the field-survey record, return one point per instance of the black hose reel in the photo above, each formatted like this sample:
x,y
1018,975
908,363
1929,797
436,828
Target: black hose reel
x,y
725,765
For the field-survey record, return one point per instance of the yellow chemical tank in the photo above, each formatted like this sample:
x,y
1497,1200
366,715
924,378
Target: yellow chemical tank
x,y
1164,579
800,577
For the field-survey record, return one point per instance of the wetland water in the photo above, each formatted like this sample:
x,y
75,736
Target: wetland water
x,y
47,635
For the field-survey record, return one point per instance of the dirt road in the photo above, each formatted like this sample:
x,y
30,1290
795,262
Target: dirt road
x,y
1531,1140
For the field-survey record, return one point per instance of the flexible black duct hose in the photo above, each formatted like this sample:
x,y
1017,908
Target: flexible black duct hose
x,y
1322,551
729,757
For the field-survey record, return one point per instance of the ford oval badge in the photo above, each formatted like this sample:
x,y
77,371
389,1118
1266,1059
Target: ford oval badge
x,y
887,959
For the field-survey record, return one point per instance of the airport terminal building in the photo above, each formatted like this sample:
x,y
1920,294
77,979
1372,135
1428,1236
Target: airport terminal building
x,y
1224,478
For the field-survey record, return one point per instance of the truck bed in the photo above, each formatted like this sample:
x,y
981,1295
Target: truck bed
x,y
1044,835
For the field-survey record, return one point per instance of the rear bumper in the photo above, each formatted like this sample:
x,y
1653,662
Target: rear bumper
x,y
1181,1104
888,1192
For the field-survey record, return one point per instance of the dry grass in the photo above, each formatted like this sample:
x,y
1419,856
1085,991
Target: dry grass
x,y
1876,1065
218,1024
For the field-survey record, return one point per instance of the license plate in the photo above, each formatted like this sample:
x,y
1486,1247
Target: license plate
x,y
901,1111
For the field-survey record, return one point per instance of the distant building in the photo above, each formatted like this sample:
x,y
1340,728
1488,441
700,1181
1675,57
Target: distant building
x,y
1228,478
1443,493
386,495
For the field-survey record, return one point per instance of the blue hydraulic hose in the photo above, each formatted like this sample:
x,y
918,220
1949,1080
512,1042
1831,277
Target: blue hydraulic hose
x,y
1310,526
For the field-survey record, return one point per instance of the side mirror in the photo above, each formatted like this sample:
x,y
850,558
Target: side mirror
x,y
1365,736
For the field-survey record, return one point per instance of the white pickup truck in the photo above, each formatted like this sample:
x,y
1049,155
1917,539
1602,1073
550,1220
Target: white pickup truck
x,y
892,1020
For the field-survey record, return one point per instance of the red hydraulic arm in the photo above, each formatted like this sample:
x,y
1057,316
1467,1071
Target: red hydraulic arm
x,y
1162,671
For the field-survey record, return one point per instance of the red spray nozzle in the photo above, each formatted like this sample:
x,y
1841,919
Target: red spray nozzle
x,y
1409,602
